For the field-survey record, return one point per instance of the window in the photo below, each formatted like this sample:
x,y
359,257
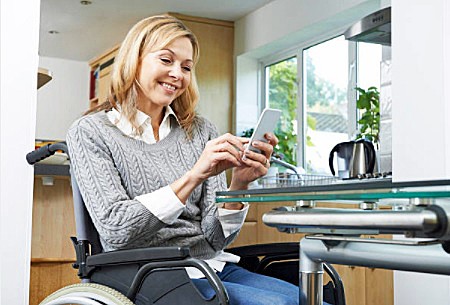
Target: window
x,y
322,111
281,93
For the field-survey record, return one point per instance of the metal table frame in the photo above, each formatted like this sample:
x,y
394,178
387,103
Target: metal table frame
x,y
335,232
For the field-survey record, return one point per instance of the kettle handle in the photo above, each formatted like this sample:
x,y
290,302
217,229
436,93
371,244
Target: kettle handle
x,y
331,157
371,155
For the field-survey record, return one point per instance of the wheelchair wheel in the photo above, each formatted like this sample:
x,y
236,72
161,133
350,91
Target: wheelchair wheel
x,y
86,294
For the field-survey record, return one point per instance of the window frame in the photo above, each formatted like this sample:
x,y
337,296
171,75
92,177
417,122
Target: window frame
x,y
297,51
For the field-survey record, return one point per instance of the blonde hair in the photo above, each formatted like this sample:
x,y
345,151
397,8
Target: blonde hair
x,y
149,35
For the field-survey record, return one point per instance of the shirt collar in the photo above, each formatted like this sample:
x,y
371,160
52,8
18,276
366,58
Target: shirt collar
x,y
142,119
169,112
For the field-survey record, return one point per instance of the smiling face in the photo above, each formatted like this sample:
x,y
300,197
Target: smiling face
x,y
164,75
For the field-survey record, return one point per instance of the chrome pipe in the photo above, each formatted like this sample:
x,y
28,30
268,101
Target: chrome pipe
x,y
426,259
311,292
311,280
387,221
285,165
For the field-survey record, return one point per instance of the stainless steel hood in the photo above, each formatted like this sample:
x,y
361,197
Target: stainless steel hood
x,y
374,28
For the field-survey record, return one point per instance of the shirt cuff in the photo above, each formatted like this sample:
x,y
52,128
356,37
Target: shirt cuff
x,y
163,203
232,220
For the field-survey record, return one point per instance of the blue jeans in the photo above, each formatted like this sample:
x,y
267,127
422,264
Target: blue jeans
x,y
248,288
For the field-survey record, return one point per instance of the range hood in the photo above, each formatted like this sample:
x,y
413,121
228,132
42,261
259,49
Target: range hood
x,y
374,28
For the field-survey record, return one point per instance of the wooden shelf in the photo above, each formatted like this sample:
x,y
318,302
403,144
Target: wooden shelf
x,y
51,260
44,76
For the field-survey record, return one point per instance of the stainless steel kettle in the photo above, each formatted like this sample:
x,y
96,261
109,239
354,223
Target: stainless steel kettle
x,y
353,158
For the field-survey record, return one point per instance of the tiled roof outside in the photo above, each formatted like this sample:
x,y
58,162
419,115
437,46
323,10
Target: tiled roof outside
x,y
330,122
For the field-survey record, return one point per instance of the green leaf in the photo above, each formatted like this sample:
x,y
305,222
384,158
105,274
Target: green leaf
x,y
369,105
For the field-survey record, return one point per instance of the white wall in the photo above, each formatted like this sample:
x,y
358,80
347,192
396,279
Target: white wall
x,y
62,100
421,79
19,42
282,24
421,118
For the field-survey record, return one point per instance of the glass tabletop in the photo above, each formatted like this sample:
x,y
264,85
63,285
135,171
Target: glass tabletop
x,y
335,189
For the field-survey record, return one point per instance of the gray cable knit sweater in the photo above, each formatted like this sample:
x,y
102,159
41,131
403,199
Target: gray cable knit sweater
x,y
112,169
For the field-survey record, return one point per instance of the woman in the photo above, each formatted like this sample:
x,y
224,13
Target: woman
x,y
148,167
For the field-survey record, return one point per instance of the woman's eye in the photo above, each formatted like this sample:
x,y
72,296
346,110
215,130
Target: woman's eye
x,y
187,69
166,60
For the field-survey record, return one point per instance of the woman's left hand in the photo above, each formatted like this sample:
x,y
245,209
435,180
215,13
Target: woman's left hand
x,y
253,165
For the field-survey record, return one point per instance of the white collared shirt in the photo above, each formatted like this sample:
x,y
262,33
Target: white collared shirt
x,y
144,121
164,203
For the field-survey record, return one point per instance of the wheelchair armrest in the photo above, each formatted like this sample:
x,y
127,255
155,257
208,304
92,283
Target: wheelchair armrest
x,y
266,249
207,271
138,255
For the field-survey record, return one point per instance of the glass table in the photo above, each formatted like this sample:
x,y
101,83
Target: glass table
x,y
417,213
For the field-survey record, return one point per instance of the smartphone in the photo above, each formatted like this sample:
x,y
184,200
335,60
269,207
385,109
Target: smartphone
x,y
266,123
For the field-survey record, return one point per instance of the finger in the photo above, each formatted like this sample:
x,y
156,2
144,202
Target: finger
x,y
272,138
237,142
260,165
265,148
226,157
256,157
243,140
227,147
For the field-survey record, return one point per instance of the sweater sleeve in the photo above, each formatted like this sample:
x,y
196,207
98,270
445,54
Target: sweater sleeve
x,y
211,225
121,221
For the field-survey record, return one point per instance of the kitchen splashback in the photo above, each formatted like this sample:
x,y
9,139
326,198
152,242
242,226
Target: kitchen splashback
x,y
385,152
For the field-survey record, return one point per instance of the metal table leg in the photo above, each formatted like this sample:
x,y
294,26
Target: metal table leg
x,y
311,280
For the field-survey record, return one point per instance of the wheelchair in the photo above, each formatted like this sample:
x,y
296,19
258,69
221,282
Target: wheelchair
x,y
157,276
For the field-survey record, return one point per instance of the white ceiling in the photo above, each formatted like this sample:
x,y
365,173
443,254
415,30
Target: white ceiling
x,y
87,30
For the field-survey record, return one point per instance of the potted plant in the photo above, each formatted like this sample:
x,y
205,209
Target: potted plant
x,y
368,104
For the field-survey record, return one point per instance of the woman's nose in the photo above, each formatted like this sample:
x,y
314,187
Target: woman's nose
x,y
176,72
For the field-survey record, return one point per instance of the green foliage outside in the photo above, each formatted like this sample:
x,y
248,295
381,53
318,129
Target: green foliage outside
x,y
320,93
283,96
321,96
368,104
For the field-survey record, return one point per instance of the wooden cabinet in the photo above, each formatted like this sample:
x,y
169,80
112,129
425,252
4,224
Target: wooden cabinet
x,y
52,253
101,67
214,71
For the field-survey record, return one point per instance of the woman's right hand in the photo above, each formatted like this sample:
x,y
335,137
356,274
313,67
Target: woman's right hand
x,y
219,154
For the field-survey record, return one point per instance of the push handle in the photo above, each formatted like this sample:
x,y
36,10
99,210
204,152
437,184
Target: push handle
x,y
44,152
331,157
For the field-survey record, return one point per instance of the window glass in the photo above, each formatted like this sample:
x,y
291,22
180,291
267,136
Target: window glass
x,y
325,70
281,93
